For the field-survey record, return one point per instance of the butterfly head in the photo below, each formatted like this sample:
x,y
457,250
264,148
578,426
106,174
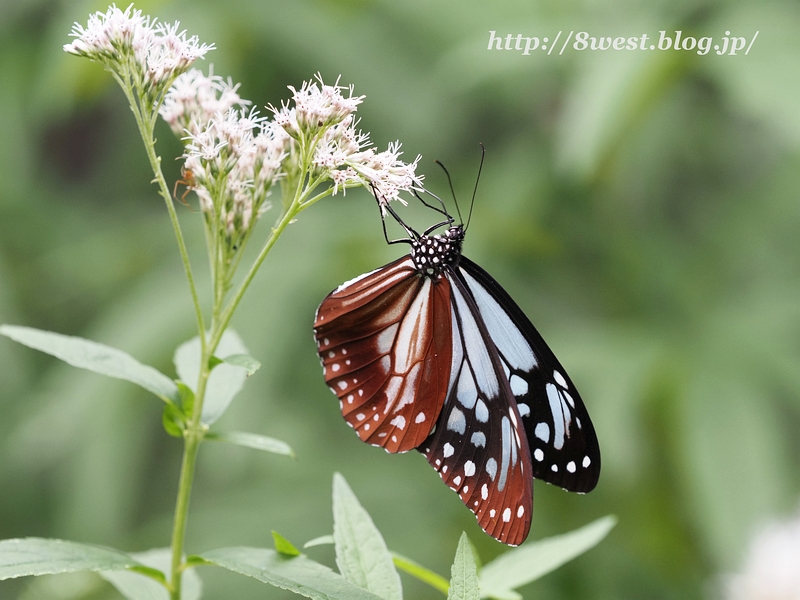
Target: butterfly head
x,y
433,253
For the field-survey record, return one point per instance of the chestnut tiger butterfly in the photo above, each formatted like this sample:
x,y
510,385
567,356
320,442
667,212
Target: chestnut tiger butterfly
x,y
430,353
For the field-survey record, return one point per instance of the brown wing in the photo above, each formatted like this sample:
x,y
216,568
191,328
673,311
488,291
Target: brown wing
x,y
384,340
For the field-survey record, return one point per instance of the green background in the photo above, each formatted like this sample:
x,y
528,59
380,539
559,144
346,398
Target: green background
x,y
641,207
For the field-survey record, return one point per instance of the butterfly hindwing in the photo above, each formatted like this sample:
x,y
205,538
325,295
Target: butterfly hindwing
x,y
561,437
381,338
479,447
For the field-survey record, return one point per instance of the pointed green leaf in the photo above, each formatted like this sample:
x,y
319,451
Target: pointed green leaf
x,y
172,420
298,574
361,553
225,380
38,556
422,573
136,587
319,541
98,358
464,573
283,545
532,560
245,361
187,400
252,440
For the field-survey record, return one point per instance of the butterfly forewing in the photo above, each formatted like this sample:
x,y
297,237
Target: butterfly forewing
x,y
382,338
562,440
479,447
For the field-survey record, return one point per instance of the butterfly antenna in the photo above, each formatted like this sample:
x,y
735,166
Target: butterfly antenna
x,y
452,191
475,190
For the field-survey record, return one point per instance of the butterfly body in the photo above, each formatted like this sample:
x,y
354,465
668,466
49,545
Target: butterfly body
x,y
430,353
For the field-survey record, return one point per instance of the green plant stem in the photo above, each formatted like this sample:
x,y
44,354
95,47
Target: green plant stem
x,y
192,438
194,433
146,124
302,191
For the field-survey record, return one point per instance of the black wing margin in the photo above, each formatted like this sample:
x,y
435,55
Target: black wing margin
x,y
563,444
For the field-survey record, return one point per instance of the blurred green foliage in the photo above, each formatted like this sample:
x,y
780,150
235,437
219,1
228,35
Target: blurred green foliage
x,y
641,207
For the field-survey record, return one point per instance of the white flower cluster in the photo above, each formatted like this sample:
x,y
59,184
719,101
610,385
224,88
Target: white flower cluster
x,y
316,107
772,567
232,163
322,118
194,99
131,44
233,156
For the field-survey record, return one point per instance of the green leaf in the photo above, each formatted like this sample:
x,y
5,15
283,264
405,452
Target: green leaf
x,y
225,380
135,587
298,574
283,545
530,561
38,556
172,420
95,357
187,400
322,540
422,573
252,440
361,553
464,573
245,361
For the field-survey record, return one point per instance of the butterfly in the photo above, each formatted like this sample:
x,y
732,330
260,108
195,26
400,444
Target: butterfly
x,y
430,353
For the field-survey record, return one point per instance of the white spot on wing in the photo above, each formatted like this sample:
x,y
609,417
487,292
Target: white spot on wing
x,y
466,392
586,461
491,468
524,409
538,454
469,468
420,418
559,419
518,385
520,511
481,412
385,339
542,432
478,439
560,379
448,450
506,515
571,466
484,491
456,421
399,421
